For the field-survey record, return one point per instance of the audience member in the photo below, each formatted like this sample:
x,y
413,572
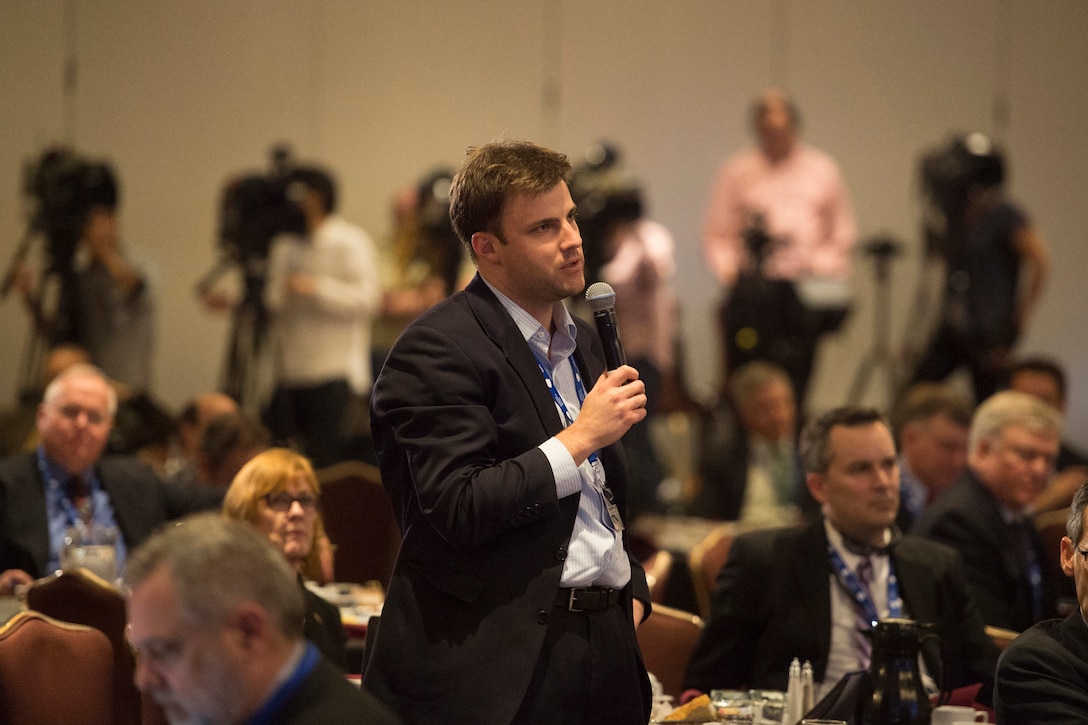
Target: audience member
x,y
930,422
1011,451
779,212
995,263
809,592
66,481
321,292
1045,379
748,465
513,596
228,443
215,617
278,493
189,429
1042,677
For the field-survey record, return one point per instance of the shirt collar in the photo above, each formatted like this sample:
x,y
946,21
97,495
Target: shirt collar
x,y
532,330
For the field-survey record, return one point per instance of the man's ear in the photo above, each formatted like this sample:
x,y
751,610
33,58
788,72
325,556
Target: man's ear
x,y
1066,554
251,621
817,486
484,244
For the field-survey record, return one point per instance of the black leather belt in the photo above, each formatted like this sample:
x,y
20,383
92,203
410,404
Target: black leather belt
x,y
586,599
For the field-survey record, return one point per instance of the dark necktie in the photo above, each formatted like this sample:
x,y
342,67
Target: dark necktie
x,y
1022,536
79,494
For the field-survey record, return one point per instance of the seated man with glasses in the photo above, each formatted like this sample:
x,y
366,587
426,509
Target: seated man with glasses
x,y
1011,451
66,481
277,492
1042,677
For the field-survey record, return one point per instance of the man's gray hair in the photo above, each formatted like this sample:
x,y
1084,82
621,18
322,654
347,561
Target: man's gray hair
x,y
753,376
1011,408
81,370
215,563
1074,525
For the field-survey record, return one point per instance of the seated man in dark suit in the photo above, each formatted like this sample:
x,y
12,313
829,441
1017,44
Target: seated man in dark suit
x,y
930,422
1042,677
985,516
797,592
749,466
216,616
66,481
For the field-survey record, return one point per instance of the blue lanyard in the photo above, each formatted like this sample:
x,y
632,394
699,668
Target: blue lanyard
x,y
271,708
857,591
579,388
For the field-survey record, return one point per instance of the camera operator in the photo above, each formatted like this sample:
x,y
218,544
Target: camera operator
x,y
104,301
778,235
321,291
996,263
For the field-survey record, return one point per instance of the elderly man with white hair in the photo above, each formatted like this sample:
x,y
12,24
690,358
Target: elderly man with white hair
x,y
1012,448
66,481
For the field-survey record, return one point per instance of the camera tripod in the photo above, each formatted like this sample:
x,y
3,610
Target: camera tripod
x,y
883,250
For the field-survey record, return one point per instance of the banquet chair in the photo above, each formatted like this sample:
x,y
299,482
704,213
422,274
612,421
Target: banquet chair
x,y
658,567
706,560
54,672
359,522
81,597
1000,636
666,639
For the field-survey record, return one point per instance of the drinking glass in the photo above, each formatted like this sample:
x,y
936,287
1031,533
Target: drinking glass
x,y
91,547
732,706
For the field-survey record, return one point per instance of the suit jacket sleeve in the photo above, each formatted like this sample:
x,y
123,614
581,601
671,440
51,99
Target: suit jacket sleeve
x,y
1042,677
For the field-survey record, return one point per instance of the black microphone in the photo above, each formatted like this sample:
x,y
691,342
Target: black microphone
x,y
602,298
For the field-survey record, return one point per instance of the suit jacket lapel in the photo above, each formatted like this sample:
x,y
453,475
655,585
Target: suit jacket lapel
x,y
810,571
503,331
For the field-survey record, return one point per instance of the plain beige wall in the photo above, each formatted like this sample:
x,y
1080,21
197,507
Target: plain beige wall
x,y
181,94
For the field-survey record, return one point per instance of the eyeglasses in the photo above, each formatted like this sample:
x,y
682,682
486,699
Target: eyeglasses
x,y
72,412
282,501
1081,551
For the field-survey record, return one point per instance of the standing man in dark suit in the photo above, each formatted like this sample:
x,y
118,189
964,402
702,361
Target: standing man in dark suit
x,y
216,617
65,482
986,515
795,592
1042,677
513,598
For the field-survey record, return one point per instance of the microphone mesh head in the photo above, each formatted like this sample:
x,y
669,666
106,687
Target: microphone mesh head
x,y
601,296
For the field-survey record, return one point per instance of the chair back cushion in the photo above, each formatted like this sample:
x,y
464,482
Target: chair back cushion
x,y
81,597
359,521
54,672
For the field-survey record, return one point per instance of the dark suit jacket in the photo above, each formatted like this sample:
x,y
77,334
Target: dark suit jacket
x,y
1042,677
457,414
968,518
772,603
141,501
724,451
325,697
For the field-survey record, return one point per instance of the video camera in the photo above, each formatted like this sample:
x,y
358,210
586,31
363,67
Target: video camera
x,y
964,163
65,187
256,208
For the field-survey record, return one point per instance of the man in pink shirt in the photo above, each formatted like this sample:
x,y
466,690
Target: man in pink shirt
x,y
778,235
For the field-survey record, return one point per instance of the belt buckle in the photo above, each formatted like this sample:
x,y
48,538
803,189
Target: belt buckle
x,y
571,605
